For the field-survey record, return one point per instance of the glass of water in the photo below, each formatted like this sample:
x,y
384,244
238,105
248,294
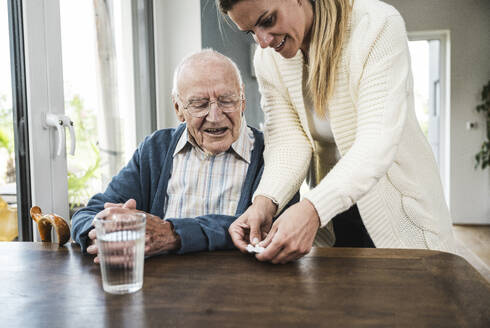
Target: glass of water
x,y
121,245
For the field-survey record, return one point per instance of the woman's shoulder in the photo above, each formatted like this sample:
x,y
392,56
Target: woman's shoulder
x,y
376,30
374,9
372,16
371,21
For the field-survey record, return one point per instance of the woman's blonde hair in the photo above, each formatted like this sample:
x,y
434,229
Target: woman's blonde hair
x,y
328,33
330,23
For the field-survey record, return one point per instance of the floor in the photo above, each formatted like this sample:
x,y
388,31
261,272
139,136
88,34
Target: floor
x,y
477,240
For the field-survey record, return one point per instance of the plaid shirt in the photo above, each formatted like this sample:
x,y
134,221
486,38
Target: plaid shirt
x,y
208,184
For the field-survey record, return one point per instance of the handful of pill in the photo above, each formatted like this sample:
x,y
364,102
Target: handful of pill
x,y
255,249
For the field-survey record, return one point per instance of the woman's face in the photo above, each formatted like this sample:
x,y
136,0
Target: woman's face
x,y
280,24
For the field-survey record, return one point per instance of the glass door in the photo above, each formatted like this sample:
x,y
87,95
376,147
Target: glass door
x,y
429,51
109,88
81,97
425,55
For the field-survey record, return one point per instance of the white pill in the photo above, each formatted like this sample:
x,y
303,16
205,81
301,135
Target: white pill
x,y
250,248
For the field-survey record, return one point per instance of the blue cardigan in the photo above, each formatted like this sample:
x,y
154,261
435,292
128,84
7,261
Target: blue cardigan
x,y
145,179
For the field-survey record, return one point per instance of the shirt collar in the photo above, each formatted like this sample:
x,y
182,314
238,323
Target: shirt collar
x,y
242,146
183,141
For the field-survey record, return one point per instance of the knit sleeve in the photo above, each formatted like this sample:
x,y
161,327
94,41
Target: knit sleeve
x,y
382,96
287,151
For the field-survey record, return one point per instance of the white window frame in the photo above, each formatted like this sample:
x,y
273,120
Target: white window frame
x,y
44,79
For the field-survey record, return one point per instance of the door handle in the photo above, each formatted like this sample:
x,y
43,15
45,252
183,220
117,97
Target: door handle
x,y
53,120
67,122
59,122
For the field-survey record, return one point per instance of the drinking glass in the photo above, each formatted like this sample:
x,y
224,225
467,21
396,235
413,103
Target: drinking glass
x,y
121,250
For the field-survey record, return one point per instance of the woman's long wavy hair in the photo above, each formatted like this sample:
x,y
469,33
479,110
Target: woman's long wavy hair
x,y
329,30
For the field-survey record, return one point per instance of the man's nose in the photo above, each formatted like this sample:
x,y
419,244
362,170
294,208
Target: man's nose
x,y
215,112
263,38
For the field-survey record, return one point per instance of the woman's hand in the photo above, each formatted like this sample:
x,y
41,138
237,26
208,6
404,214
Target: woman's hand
x,y
292,234
253,225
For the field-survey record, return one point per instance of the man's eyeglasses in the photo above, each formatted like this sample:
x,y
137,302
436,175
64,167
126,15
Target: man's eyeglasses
x,y
200,107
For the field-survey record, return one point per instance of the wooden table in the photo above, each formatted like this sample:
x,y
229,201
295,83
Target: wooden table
x,y
45,286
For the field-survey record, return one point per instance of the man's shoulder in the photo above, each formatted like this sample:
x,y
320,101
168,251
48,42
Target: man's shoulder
x,y
161,140
164,136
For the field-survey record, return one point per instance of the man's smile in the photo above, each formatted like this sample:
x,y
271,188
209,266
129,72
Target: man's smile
x,y
216,131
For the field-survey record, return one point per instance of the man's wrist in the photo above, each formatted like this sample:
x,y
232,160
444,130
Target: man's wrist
x,y
175,242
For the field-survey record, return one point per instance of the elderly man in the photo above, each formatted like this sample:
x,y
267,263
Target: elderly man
x,y
198,177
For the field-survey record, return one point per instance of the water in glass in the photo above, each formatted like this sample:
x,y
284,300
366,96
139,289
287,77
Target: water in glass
x,y
121,244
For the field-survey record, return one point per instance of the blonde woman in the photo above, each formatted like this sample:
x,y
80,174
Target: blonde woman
x,y
336,89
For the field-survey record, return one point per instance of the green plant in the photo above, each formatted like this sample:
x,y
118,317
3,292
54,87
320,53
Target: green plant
x,y
5,141
88,155
78,185
483,156
7,138
6,126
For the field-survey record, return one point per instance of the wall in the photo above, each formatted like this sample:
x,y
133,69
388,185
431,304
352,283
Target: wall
x,y
469,28
177,27
236,45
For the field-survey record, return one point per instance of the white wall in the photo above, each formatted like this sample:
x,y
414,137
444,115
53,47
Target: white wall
x,y
177,26
469,25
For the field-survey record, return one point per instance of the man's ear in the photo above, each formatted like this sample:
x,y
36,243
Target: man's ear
x,y
178,112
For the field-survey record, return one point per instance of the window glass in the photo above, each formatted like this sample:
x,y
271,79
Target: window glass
x,y
8,198
97,72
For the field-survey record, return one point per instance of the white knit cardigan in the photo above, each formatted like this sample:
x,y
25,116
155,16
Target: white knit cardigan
x,y
387,166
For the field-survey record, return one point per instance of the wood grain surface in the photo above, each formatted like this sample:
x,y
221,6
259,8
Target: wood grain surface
x,y
43,285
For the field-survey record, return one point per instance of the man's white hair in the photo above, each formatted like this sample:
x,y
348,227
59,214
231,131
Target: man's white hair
x,y
202,55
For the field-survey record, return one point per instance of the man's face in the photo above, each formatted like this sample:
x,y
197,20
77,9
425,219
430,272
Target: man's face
x,y
210,80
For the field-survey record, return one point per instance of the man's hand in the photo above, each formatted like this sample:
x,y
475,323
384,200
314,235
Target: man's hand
x,y
253,225
159,236
92,249
292,234
92,234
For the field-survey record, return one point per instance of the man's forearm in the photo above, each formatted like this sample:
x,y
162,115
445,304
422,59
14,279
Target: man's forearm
x,y
203,233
